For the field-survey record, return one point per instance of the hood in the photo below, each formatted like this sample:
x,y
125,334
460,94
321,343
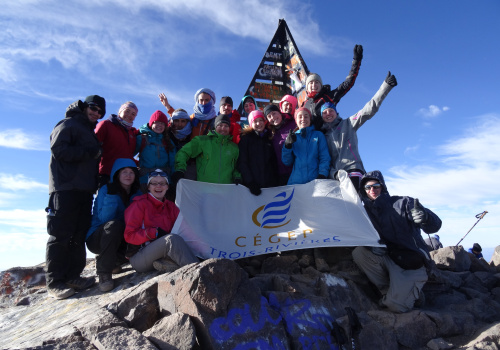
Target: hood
x,y
121,163
372,175
75,110
145,129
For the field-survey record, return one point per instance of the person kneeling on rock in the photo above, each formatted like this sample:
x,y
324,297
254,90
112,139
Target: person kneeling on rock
x,y
398,271
148,222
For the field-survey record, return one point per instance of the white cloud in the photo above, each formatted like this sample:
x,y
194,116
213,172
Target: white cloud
x,y
7,70
17,138
432,111
19,182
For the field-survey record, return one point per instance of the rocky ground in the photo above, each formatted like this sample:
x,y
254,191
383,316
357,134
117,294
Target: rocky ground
x,y
291,301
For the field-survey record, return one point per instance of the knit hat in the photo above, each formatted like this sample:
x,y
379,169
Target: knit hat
x,y
98,101
312,77
290,99
270,108
180,114
254,115
204,91
477,248
327,105
226,99
158,116
126,105
302,109
156,173
223,118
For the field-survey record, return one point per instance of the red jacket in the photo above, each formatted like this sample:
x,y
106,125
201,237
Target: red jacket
x,y
116,142
144,215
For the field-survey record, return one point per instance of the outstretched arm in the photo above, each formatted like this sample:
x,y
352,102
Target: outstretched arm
x,y
164,101
348,83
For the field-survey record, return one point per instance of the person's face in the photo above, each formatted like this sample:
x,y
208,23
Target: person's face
x,y
249,107
286,107
94,113
203,98
128,114
222,129
126,177
303,119
329,115
258,124
179,124
226,108
274,118
313,86
374,191
158,187
158,127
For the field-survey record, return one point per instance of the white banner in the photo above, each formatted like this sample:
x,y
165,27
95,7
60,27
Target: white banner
x,y
227,221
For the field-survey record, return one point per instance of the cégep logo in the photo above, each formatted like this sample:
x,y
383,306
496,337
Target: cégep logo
x,y
273,214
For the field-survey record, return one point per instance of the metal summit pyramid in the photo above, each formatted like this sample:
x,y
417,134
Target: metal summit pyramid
x,y
282,71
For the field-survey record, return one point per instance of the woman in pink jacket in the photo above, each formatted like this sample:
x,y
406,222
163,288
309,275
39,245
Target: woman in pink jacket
x,y
149,221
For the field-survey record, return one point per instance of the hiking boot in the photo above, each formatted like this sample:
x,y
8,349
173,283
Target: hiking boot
x,y
60,291
106,282
81,283
165,265
116,270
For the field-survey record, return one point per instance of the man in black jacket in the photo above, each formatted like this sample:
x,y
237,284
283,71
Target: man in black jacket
x,y
398,271
73,169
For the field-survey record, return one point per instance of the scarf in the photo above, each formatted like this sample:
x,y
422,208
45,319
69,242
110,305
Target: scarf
x,y
117,120
204,112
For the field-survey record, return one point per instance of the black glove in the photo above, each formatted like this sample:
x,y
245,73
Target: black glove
x,y
418,213
320,176
254,188
176,176
237,181
290,139
358,52
391,79
161,232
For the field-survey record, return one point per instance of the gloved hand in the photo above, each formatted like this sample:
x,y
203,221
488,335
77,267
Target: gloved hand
x,y
418,213
237,181
254,188
176,176
161,232
320,176
391,79
358,52
290,139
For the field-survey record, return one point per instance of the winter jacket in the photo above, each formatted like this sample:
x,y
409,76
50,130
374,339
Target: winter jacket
x,y
341,134
144,215
74,146
117,142
327,95
308,155
153,153
257,160
391,217
109,206
278,142
216,156
200,127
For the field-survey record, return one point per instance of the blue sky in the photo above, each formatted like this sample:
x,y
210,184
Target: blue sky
x,y
435,137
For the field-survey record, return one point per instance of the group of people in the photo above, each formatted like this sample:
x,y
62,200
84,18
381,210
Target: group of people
x,y
280,144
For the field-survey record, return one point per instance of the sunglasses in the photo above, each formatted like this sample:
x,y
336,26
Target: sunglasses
x,y
95,109
375,187
157,173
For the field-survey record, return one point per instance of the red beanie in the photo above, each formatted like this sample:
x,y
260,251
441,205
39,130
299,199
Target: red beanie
x,y
158,116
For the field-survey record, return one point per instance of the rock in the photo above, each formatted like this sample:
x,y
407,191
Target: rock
x,y
439,344
413,329
121,338
495,259
173,332
451,258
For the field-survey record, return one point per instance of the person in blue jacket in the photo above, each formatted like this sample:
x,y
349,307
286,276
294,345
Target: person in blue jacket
x,y
306,150
105,236
476,250
156,149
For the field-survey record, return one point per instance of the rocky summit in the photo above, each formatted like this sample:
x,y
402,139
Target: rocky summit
x,y
305,299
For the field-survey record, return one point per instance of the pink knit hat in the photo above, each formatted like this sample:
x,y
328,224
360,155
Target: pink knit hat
x,y
302,109
292,100
158,116
254,115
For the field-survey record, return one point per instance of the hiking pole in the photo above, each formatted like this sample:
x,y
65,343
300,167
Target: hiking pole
x,y
339,335
478,217
354,326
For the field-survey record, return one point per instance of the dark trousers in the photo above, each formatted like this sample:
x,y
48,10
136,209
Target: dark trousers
x,y
108,244
65,253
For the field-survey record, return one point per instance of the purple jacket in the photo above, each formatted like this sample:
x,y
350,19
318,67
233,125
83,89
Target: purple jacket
x,y
278,142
